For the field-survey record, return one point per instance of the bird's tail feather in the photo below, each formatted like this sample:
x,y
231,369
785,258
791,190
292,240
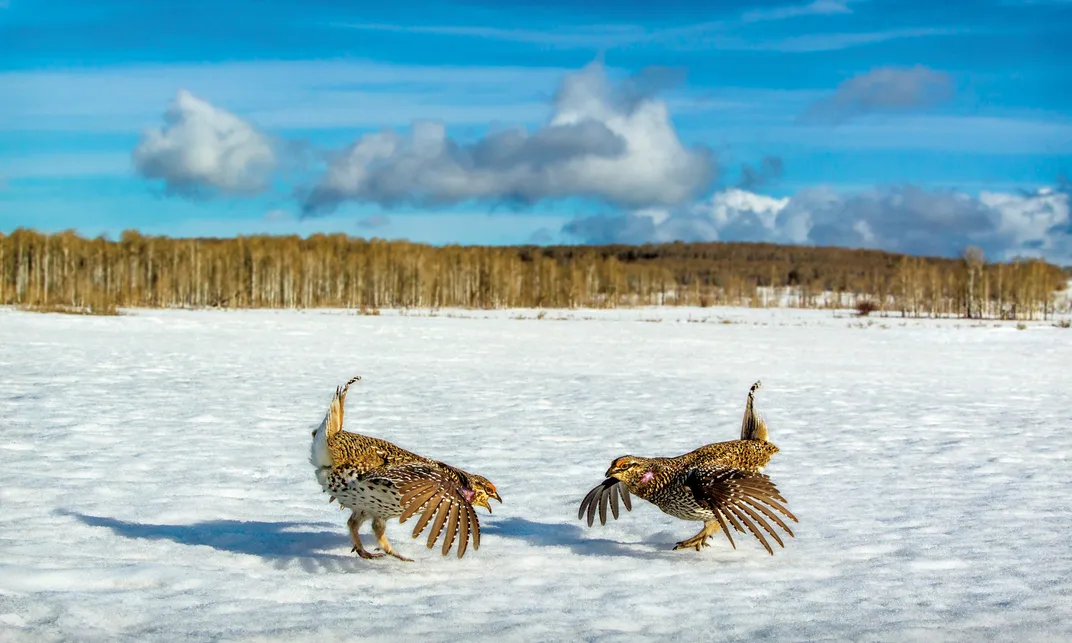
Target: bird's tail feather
x,y
335,411
320,454
753,426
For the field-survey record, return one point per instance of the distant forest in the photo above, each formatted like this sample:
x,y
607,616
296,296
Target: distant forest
x,y
64,270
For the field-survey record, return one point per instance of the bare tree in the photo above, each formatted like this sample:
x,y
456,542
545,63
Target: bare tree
x,y
975,259
66,270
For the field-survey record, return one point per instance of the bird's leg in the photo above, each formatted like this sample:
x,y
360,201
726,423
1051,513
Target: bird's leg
x,y
354,523
699,541
379,527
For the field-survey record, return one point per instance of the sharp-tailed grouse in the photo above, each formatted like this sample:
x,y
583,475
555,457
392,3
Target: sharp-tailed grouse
x,y
721,484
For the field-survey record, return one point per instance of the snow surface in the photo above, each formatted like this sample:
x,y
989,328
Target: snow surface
x,y
154,482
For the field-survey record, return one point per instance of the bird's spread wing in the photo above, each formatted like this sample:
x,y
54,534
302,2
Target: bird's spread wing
x,y
605,493
432,492
458,475
740,498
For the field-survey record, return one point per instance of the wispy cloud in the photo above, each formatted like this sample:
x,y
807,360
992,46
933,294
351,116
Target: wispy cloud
x,y
1010,136
585,37
724,35
373,222
277,94
832,41
815,8
885,89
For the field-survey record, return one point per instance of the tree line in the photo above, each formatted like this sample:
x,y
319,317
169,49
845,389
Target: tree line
x,y
66,270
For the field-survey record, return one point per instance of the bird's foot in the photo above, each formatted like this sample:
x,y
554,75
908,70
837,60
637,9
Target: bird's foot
x,y
397,555
696,542
367,555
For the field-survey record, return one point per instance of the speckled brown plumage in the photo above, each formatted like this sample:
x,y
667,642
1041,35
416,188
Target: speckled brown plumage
x,y
378,480
721,484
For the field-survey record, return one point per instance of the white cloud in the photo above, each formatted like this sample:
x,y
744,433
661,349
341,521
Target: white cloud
x,y
1039,224
609,141
204,149
900,219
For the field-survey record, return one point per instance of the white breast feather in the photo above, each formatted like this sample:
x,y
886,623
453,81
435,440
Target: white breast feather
x,y
319,455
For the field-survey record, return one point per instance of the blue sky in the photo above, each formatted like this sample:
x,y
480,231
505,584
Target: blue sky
x,y
911,126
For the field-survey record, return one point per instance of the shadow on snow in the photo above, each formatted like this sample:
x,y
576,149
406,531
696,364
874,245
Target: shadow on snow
x,y
279,542
548,534
286,542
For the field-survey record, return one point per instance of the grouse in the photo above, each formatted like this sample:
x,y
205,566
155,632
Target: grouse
x,y
377,480
721,484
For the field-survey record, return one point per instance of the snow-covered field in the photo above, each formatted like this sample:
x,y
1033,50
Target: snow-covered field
x,y
154,482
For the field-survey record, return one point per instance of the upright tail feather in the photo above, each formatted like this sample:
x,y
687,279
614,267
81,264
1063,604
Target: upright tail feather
x,y
335,411
753,426
320,455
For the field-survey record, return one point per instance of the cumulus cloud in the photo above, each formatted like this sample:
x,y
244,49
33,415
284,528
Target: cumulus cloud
x,y
204,150
901,219
1040,224
605,140
885,89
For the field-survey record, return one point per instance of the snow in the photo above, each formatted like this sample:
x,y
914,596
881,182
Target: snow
x,y
155,484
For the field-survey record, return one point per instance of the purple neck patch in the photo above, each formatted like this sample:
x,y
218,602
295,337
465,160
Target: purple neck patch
x,y
469,494
647,477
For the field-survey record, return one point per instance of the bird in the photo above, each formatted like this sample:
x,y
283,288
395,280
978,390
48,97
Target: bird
x,y
377,480
721,484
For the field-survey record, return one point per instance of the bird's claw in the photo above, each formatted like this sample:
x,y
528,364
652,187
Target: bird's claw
x,y
367,555
692,543
392,553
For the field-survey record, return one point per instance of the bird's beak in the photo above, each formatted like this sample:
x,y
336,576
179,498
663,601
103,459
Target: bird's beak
x,y
487,505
